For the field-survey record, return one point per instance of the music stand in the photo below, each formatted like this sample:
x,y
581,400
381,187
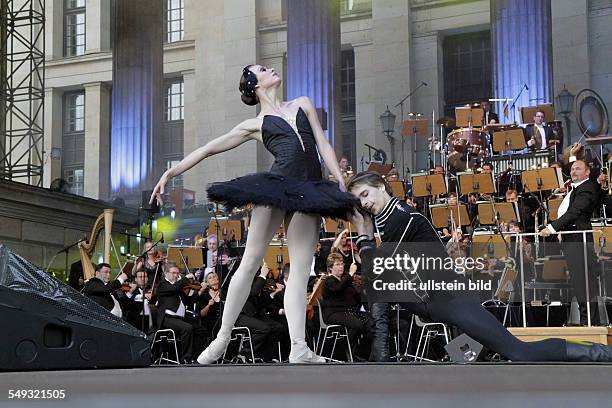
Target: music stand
x,y
506,212
554,269
397,187
190,256
553,207
541,179
424,185
506,285
333,226
382,169
528,112
412,127
440,214
227,228
482,241
466,116
415,127
511,139
606,235
276,254
481,183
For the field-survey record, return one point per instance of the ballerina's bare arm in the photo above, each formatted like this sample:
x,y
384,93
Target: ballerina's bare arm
x,y
325,149
245,131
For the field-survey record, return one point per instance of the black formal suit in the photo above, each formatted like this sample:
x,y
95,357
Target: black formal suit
x,y
341,301
492,117
548,132
100,292
263,333
134,310
583,200
76,273
169,297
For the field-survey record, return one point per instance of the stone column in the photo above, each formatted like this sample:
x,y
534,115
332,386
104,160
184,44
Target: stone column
x,y
97,140
392,73
97,26
313,55
53,128
136,99
522,52
54,27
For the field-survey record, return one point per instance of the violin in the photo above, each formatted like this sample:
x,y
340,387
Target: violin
x,y
125,287
192,286
158,256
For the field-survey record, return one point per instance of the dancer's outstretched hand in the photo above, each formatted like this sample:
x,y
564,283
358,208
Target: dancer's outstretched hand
x,y
158,190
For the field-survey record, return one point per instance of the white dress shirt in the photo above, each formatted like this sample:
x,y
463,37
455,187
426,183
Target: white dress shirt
x,y
564,206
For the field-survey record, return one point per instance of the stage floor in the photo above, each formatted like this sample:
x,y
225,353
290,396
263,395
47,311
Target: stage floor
x,y
317,386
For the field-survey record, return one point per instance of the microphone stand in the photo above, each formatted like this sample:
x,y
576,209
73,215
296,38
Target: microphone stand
x,y
64,249
515,100
401,105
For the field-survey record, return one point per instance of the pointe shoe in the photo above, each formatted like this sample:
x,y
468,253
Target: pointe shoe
x,y
214,351
303,354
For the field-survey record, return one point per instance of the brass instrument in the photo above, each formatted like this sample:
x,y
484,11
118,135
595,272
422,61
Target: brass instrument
x,y
86,248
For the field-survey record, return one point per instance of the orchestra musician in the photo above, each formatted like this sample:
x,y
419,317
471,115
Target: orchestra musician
x,y
172,305
489,117
138,309
342,299
344,246
212,258
396,222
574,214
102,291
265,333
152,265
538,136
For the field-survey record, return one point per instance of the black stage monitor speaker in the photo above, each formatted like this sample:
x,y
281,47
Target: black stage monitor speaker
x,y
47,325
464,349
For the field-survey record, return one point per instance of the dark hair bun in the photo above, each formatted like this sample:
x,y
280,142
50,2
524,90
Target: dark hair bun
x,y
249,100
247,84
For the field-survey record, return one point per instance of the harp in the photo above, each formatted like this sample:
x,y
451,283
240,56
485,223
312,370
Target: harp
x,y
86,248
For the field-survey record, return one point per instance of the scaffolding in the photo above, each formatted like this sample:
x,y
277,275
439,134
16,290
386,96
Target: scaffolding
x,y
22,95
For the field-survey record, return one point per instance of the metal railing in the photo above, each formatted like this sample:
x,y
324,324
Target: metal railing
x,y
586,266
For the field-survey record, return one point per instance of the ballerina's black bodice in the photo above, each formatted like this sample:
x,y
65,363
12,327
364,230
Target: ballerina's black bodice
x,y
294,183
291,159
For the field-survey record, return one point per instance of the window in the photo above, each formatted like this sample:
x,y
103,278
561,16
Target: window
x,y
467,69
174,101
347,111
347,81
74,27
73,142
173,127
175,20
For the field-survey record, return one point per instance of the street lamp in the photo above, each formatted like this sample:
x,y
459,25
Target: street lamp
x,y
565,100
387,121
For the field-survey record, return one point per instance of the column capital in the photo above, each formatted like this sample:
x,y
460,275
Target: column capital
x,y
99,84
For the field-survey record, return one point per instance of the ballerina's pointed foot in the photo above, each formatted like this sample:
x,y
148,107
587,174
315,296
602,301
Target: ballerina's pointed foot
x,y
304,355
214,351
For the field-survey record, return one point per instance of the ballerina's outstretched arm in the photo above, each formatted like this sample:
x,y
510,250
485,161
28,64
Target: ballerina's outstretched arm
x,y
245,131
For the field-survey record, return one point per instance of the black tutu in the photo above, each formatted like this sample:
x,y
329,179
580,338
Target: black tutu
x,y
313,197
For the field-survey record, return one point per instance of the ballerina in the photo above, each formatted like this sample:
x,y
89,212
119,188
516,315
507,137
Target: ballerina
x,y
292,191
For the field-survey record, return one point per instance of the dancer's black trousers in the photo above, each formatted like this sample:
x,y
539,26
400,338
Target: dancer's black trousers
x,y
469,316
